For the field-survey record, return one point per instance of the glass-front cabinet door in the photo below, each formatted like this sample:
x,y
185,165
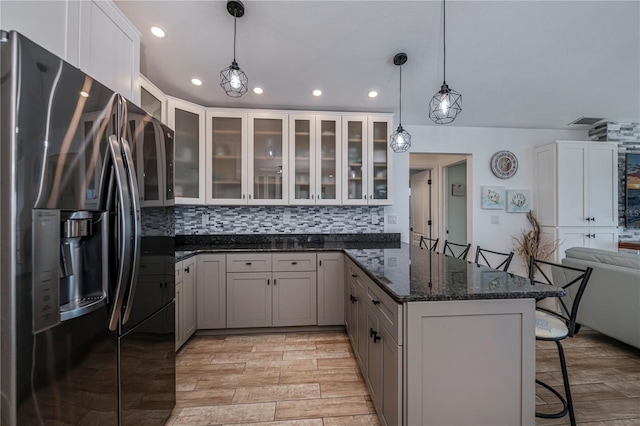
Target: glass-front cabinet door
x,y
226,158
354,152
188,122
268,160
302,144
379,160
152,100
328,159
144,137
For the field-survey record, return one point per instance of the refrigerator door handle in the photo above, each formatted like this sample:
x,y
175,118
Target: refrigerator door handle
x,y
137,232
124,227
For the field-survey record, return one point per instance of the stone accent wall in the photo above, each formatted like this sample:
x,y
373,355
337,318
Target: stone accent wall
x,y
628,137
205,220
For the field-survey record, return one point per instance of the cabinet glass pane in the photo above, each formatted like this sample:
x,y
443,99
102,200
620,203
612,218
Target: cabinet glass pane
x,y
169,179
354,160
187,127
150,175
226,158
267,159
328,147
380,161
151,104
302,160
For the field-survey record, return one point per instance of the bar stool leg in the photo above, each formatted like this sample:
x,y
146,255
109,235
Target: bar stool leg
x,y
565,379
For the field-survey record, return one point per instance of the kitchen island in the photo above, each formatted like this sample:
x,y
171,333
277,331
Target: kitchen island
x,y
440,340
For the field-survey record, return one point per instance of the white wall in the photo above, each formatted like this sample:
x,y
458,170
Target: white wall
x,y
481,143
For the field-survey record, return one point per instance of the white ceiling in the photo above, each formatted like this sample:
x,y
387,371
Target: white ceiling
x,y
523,64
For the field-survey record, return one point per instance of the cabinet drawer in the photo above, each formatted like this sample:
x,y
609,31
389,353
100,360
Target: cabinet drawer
x,y
386,309
285,262
355,274
249,262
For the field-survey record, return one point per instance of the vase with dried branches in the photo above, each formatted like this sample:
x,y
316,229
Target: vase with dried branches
x,y
531,242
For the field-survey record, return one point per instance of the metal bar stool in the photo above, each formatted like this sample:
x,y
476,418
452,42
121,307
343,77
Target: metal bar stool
x,y
429,243
556,326
495,257
456,250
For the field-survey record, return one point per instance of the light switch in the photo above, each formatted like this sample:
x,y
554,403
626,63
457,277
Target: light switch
x,y
495,220
205,219
392,219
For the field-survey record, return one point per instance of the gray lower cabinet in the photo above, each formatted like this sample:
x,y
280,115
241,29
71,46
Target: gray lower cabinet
x,y
211,291
372,320
282,293
185,300
331,289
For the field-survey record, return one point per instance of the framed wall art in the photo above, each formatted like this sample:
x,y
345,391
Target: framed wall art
x,y
518,201
493,197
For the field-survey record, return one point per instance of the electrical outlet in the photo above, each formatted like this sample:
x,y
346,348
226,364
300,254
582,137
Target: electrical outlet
x,y
374,219
286,218
205,219
495,220
393,262
392,219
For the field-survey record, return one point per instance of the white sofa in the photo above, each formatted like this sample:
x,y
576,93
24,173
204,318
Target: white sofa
x,y
611,301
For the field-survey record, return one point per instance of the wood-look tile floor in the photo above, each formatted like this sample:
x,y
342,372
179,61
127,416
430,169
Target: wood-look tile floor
x,y
312,379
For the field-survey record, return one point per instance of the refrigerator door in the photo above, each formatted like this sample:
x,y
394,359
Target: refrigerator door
x,y
55,122
147,363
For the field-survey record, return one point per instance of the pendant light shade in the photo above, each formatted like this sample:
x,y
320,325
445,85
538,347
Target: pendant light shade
x,y
446,104
232,79
400,140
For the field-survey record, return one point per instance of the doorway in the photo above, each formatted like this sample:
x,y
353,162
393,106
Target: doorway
x,y
420,206
456,203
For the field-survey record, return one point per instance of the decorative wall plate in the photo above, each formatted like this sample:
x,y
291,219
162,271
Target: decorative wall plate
x,y
504,164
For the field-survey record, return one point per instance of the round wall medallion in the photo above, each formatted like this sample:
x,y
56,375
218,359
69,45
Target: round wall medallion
x,y
504,164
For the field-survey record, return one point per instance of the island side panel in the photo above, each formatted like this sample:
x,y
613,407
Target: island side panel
x,y
470,362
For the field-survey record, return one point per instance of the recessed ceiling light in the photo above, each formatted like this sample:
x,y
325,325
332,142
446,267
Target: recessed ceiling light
x,y
196,82
373,94
84,94
317,92
258,90
158,32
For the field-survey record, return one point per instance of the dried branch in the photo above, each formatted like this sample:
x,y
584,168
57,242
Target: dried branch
x,y
532,242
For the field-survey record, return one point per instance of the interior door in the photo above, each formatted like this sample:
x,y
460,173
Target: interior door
x,y
420,206
456,203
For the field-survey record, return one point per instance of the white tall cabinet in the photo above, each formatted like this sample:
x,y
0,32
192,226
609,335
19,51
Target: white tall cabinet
x,y
576,194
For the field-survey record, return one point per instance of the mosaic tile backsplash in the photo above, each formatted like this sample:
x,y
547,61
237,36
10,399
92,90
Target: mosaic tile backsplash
x,y
627,135
205,220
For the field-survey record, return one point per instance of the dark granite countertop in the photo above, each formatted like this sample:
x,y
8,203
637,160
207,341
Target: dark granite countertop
x,y
409,274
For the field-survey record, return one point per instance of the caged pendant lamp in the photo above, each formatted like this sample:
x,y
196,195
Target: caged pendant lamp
x,y
400,140
446,104
232,79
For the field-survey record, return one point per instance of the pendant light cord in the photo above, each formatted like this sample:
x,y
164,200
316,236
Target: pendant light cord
x,y
235,18
400,120
444,40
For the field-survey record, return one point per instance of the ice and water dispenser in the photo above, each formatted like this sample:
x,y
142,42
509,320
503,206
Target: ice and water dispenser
x,y
70,264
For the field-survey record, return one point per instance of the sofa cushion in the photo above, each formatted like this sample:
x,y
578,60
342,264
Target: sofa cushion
x,y
626,260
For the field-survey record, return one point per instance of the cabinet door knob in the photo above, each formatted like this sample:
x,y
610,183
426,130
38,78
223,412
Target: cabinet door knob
x,y
375,302
187,269
354,275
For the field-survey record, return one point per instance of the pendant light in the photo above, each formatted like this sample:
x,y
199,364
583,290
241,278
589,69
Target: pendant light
x,y
232,79
400,140
446,104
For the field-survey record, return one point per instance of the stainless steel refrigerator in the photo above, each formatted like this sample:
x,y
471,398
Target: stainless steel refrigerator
x,y
87,317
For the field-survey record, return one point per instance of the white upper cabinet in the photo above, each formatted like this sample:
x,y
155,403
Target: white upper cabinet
x,y
576,184
110,48
268,158
367,160
315,159
91,35
226,158
188,122
153,101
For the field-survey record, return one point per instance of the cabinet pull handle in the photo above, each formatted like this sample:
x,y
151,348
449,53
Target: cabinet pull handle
x,y
321,263
354,299
294,263
274,281
364,197
318,197
354,275
268,282
375,302
243,196
370,196
312,196
248,263
376,338
187,269
372,333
